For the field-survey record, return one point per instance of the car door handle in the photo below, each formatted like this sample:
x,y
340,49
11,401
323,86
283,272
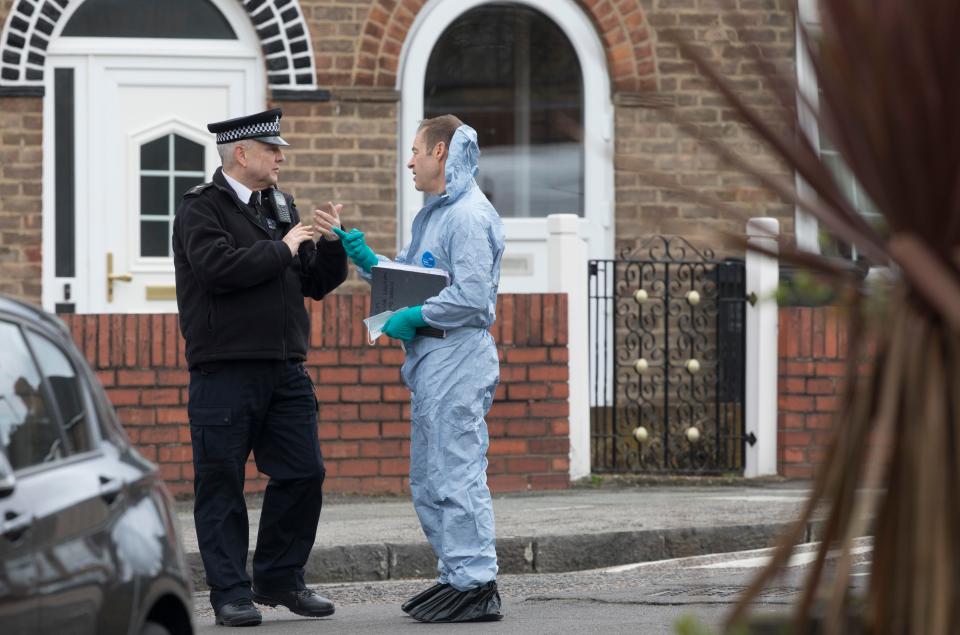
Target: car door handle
x,y
15,525
110,489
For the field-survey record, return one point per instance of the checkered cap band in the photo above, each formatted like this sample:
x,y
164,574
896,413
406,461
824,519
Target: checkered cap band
x,y
263,129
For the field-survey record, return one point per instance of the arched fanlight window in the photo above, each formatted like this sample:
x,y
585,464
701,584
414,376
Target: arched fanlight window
x,y
192,19
512,74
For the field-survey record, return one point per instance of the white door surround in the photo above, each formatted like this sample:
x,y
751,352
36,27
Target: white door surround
x,y
292,66
525,259
128,91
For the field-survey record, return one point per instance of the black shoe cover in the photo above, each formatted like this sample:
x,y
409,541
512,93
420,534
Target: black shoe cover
x,y
423,596
443,603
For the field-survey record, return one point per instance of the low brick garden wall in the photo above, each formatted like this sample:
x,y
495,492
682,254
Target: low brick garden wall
x,y
813,358
364,408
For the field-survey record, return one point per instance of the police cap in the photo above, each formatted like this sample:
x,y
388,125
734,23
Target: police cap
x,y
263,126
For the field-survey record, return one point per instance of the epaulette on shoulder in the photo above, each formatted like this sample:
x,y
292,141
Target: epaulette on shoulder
x,y
196,190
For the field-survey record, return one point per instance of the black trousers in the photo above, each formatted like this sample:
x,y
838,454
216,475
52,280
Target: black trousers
x,y
269,408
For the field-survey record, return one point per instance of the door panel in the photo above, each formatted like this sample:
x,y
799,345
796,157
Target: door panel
x,y
76,565
156,119
19,607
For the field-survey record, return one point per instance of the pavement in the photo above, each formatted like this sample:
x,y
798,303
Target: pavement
x,y
371,538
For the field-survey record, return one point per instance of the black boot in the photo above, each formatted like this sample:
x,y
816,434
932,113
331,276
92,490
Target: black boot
x,y
306,602
238,613
449,605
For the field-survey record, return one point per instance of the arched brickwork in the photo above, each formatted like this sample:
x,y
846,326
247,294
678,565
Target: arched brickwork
x,y
279,24
621,25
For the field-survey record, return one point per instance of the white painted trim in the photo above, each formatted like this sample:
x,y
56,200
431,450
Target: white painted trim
x,y
567,258
760,407
808,11
431,21
806,228
4,34
149,47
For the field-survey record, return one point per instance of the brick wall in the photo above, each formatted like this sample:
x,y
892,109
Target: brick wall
x,y
358,48
21,133
364,414
345,149
813,353
364,408
647,143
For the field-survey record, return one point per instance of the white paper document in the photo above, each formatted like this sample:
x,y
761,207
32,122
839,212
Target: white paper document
x,y
375,323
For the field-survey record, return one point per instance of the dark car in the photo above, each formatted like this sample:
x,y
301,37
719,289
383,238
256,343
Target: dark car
x,y
88,539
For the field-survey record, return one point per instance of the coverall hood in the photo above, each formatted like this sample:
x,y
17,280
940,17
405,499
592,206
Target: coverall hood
x,y
462,162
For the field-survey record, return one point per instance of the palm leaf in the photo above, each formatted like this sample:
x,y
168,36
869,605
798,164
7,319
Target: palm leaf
x,y
889,77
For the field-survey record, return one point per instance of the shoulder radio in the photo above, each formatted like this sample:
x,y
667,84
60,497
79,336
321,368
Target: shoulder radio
x,y
278,202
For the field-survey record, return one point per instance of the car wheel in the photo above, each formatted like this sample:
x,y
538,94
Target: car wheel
x,y
152,628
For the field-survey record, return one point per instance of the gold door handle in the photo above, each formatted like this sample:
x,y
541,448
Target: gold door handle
x,y
114,277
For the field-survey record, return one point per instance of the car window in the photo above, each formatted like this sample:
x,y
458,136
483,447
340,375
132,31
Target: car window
x,y
28,430
65,386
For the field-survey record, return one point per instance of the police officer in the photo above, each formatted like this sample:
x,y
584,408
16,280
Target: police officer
x,y
244,263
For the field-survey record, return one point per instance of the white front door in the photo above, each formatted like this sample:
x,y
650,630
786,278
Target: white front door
x,y
155,146
142,142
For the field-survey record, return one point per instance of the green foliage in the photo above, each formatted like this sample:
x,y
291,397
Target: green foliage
x,y
757,625
690,625
804,289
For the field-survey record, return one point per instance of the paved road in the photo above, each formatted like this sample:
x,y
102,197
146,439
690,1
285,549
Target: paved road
x,y
642,598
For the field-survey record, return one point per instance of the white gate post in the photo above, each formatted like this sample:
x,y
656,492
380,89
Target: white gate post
x,y
567,259
762,279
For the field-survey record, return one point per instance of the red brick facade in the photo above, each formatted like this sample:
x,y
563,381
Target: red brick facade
x,y
364,408
346,149
621,26
813,351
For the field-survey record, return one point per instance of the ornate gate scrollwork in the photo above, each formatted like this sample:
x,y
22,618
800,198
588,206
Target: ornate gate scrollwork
x,y
667,360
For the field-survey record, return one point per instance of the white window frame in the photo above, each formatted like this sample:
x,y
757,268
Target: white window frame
x,y
807,228
597,222
210,160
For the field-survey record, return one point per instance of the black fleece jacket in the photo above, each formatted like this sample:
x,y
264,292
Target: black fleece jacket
x,y
240,293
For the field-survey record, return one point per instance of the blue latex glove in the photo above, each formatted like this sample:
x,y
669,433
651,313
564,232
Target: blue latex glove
x,y
357,248
403,324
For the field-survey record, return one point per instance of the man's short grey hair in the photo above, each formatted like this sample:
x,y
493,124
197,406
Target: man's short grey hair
x,y
225,150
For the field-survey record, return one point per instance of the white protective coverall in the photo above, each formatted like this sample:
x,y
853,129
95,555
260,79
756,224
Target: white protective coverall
x,y
453,379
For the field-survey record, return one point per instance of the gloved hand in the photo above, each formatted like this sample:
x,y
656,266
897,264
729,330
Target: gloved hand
x,y
357,248
403,324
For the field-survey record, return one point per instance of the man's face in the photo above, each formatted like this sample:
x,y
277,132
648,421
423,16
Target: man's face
x,y
427,165
262,164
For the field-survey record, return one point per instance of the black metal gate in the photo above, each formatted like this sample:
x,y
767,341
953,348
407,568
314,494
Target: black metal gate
x,y
666,328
